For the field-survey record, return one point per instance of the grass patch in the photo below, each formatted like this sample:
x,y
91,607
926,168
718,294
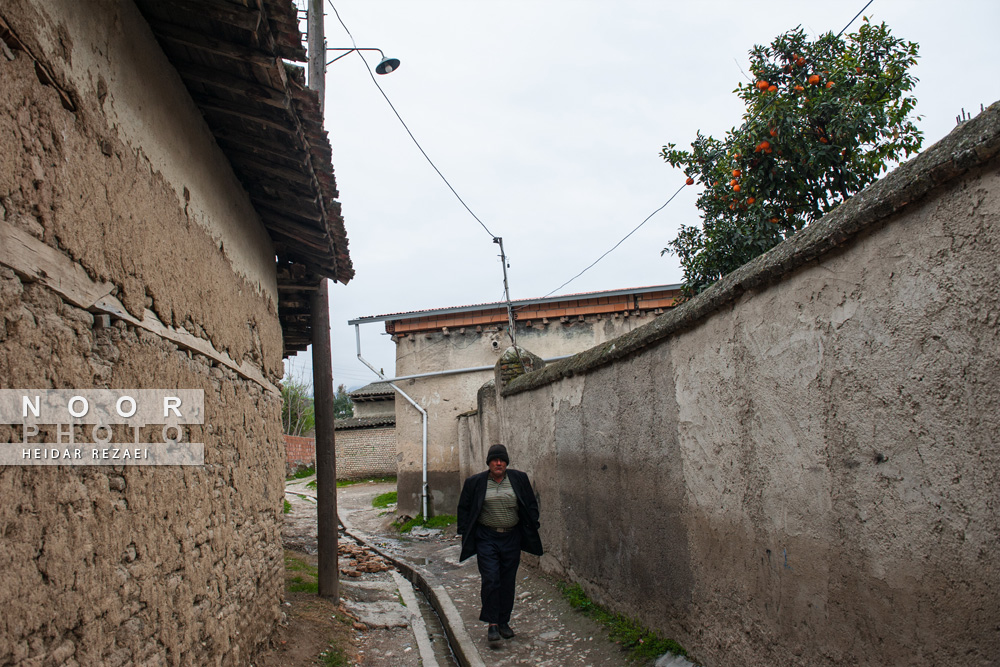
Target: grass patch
x,y
333,657
288,506
301,585
440,521
640,642
305,579
311,485
385,499
305,472
369,480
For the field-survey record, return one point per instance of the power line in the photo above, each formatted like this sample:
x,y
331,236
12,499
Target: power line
x,y
405,127
766,106
472,213
854,19
619,243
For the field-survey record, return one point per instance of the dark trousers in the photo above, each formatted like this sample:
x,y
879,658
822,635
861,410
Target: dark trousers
x,y
498,555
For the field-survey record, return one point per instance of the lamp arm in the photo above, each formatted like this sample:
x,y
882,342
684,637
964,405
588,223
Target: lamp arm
x,y
348,51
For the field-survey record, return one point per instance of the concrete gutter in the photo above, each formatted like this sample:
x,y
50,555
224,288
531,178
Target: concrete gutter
x,y
459,639
461,642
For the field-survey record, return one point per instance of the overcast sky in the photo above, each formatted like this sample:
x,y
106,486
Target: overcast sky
x,y
547,117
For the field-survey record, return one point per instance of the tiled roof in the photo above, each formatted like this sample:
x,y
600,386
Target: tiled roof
x,y
518,303
372,390
233,59
364,422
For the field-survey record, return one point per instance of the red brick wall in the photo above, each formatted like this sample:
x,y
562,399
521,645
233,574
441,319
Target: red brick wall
x,y
361,452
299,453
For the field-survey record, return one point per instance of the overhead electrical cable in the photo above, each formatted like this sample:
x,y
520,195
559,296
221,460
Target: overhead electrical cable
x,y
766,106
617,244
406,127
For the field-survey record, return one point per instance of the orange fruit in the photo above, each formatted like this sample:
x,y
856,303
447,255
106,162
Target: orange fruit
x,y
736,188
689,181
774,132
751,200
762,85
799,88
775,220
858,69
772,89
829,84
814,79
733,182
823,140
737,173
789,211
800,61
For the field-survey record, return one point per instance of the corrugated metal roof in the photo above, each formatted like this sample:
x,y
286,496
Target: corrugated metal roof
x,y
523,302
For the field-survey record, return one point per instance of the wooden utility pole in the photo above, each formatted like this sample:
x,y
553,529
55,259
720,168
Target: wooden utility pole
x,y
326,459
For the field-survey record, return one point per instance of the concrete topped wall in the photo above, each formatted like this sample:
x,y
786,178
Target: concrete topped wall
x,y
797,467
445,398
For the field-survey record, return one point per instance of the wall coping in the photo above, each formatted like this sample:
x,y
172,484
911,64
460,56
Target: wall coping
x,y
970,145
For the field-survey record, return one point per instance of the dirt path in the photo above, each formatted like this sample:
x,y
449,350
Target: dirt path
x,y
369,624
550,633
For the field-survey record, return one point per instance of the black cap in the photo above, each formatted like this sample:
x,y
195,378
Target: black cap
x,y
497,452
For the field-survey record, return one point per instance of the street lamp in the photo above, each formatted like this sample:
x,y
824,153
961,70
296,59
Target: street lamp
x,y
385,66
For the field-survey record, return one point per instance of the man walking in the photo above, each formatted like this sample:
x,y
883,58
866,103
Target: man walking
x,y
497,519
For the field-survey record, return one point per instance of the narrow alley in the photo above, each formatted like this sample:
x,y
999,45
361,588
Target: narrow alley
x,y
550,633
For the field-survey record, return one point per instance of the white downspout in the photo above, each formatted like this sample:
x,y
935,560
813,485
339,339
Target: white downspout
x,y
423,416
423,413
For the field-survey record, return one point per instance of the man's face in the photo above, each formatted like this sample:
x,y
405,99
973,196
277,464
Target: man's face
x,y
498,467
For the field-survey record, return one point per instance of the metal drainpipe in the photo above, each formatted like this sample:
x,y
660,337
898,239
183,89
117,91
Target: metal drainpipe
x,y
423,416
423,413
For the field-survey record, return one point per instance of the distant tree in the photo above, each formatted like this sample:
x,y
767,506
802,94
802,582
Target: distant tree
x,y
298,414
343,407
823,118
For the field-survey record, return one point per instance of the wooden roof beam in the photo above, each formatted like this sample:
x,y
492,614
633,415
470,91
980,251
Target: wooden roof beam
x,y
193,39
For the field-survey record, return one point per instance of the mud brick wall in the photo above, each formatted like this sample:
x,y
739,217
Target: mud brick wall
x,y
366,452
133,565
799,466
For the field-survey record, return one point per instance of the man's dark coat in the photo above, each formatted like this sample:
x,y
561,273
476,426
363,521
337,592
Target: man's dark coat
x,y
471,503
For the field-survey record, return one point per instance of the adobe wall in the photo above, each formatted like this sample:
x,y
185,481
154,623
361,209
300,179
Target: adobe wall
x,y
133,565
445,398
800,465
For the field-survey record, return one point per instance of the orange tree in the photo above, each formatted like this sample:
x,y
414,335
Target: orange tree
x,y
822,120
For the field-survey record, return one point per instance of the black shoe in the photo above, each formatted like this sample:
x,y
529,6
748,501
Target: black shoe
x,y
505,631
493,634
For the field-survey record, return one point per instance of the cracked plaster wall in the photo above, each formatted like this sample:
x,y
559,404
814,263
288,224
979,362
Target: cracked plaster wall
x,y
134,565
805,471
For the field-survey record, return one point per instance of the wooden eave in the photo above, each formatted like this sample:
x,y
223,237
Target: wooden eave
x,y
231,55
576,308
